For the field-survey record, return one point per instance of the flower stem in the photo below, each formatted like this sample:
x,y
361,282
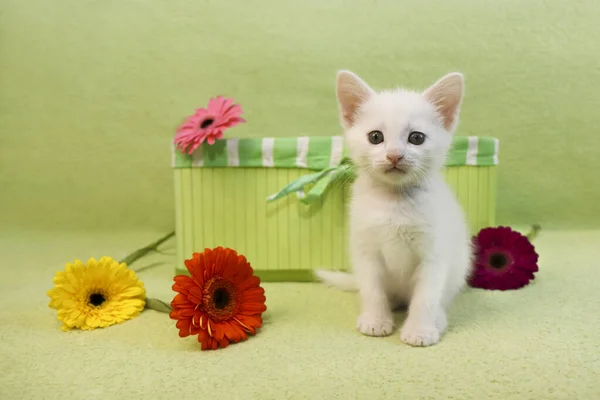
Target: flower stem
x,y
534,231
151,304
139,253
157,305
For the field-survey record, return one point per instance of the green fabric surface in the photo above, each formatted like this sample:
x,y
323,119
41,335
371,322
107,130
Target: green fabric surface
x,y
92,92
540,342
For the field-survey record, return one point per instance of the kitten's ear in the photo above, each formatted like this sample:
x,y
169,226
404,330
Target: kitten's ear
x,y
352,92
446,94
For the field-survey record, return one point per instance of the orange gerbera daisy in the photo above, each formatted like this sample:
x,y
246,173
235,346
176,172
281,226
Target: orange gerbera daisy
x,y
221,302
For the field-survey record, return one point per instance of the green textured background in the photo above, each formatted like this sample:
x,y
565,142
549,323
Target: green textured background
x,y
91,92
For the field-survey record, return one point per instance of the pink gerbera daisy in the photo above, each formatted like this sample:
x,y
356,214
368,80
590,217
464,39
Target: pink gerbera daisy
x,y
504,259
208,124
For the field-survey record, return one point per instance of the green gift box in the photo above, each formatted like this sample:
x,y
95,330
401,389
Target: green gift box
x,y
281,202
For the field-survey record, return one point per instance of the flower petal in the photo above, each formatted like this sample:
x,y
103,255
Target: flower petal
x,y
253,281
133,291
252,308
182,283
250,321
219,330
181,301
184,326
234,331
195,295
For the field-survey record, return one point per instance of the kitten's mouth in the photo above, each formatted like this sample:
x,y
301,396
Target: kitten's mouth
x,y
396,169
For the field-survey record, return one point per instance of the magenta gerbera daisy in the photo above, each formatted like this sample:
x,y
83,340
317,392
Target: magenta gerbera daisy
x,y
504,259
208,124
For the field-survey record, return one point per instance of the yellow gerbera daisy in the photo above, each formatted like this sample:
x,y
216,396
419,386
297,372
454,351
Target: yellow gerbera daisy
x,y
96,294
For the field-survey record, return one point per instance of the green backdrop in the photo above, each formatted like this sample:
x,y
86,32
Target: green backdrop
x,y
91,92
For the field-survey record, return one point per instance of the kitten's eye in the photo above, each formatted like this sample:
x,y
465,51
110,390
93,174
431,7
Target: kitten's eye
x,y
416,138
376,137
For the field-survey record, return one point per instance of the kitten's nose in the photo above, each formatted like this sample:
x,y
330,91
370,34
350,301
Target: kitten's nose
x,y
394,158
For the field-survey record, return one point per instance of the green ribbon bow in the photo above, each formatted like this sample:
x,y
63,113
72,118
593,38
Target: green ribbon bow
x,y
320,181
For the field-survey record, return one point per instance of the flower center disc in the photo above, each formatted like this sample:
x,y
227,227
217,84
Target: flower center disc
x,y
206,123
219,299
96,299
498,260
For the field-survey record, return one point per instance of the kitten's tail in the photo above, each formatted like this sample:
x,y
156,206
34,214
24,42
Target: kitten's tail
x,y
341,280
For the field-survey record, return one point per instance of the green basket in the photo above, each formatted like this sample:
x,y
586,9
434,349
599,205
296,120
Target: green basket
x,y
282,201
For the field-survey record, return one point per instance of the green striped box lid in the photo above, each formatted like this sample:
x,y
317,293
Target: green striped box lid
x,y
314,153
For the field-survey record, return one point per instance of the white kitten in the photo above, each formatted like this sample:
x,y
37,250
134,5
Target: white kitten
x,y
409,242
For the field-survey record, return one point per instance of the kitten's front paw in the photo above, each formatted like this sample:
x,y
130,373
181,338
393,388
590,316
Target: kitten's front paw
x,y
370,325
419,335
